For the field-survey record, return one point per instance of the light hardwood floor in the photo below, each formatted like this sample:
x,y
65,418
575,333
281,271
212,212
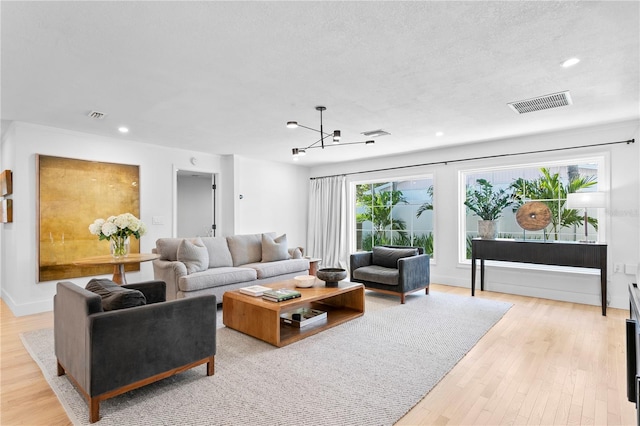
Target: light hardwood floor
x,y
544,363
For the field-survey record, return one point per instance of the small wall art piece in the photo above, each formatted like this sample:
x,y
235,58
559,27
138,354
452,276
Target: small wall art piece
x,y
6,211
71,195
6,183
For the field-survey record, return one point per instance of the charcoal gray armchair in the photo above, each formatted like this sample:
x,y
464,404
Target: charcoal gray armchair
x,y
107,353
391,269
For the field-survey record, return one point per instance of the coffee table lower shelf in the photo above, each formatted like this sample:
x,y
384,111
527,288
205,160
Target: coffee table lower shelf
x,y
290,334
261,319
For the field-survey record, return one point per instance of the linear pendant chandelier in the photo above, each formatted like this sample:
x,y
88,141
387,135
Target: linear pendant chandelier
x,y
335,137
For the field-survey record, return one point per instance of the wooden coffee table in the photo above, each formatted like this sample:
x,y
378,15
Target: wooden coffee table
x,y
261,319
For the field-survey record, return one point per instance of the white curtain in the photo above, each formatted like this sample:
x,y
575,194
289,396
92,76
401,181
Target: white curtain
x,y
327,232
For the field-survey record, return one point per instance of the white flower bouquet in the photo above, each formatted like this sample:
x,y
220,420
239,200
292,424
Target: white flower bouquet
x,y
118,229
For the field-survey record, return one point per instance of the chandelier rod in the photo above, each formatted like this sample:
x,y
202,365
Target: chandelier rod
x,y
343,144
310,128
321,129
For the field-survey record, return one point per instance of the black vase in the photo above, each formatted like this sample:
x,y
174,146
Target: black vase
x,y
331,276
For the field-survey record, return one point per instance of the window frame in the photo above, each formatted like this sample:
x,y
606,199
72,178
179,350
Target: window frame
x,y
602,159
351,210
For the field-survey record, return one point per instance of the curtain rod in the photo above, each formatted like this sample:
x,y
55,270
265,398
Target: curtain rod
x,y
630,141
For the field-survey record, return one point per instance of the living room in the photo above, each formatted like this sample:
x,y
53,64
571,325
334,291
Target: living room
x,y
259,194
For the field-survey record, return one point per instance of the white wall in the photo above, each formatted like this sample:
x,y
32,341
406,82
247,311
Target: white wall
x,y
582,286
158,165
274,198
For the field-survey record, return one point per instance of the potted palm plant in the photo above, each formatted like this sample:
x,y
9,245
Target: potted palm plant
x,y
487,204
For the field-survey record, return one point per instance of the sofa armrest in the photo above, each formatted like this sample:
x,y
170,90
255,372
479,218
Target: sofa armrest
x,y
154,291
358,260
414,271
137,343
170,272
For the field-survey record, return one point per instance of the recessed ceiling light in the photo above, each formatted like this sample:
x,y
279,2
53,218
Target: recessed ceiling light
x,y
123,129
570,62
439,133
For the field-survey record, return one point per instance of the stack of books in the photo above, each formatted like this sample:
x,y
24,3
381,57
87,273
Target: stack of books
x,y
254,290
280,295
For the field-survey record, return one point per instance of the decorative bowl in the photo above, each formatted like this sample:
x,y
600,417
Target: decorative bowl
x,y
331,276
305,280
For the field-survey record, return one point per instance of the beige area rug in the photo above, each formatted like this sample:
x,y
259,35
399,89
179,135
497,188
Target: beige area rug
x,y
369,371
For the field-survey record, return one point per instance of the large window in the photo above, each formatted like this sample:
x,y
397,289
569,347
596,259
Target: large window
x,y
395,212
547,183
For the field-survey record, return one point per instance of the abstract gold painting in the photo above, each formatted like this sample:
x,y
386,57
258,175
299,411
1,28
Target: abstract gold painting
x,y
71,194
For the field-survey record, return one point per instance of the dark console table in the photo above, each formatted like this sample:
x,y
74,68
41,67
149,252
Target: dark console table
x,y
560,253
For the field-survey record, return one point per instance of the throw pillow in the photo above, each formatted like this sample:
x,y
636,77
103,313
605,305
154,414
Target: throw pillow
x,y
296,253
245,248
274,249
194,255
219,254
388,257
115,297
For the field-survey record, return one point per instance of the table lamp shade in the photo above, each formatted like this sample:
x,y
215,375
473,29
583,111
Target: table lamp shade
x,y
582,200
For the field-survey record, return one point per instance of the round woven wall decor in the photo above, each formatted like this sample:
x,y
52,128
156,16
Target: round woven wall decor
x,y
533,216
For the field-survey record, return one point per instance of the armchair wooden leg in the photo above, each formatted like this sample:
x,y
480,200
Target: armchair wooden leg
x,y
211,366
426,290
94,410
402,298
60,368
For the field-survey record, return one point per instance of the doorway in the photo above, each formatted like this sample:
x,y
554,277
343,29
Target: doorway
x,y
195,210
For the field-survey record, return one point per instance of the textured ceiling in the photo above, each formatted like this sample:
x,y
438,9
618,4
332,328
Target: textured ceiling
x,y
225,77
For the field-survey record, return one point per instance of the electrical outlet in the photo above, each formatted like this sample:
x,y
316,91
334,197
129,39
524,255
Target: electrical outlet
x,y
157,220
618,267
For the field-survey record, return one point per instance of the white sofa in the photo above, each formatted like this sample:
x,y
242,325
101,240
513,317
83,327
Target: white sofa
x,y
213,265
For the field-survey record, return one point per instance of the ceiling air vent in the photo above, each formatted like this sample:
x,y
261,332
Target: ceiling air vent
x,y
553,100
375,133
97,115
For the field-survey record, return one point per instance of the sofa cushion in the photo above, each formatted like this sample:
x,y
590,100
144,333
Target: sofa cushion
x,y
115,297
279,267
167,248
194,255
377,274
216,277
219,254
246,248
388,257
274,248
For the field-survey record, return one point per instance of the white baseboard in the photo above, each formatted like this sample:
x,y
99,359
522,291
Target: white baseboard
x,y
618,300
27,308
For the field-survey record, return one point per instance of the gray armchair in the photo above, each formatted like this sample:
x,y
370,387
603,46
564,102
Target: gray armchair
x,y
107,353
391,269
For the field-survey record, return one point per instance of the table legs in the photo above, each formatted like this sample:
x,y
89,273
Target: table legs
x,y
473,276
118,274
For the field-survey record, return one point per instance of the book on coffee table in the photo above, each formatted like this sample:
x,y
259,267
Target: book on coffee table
x,y
303,316
280,295
254,290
